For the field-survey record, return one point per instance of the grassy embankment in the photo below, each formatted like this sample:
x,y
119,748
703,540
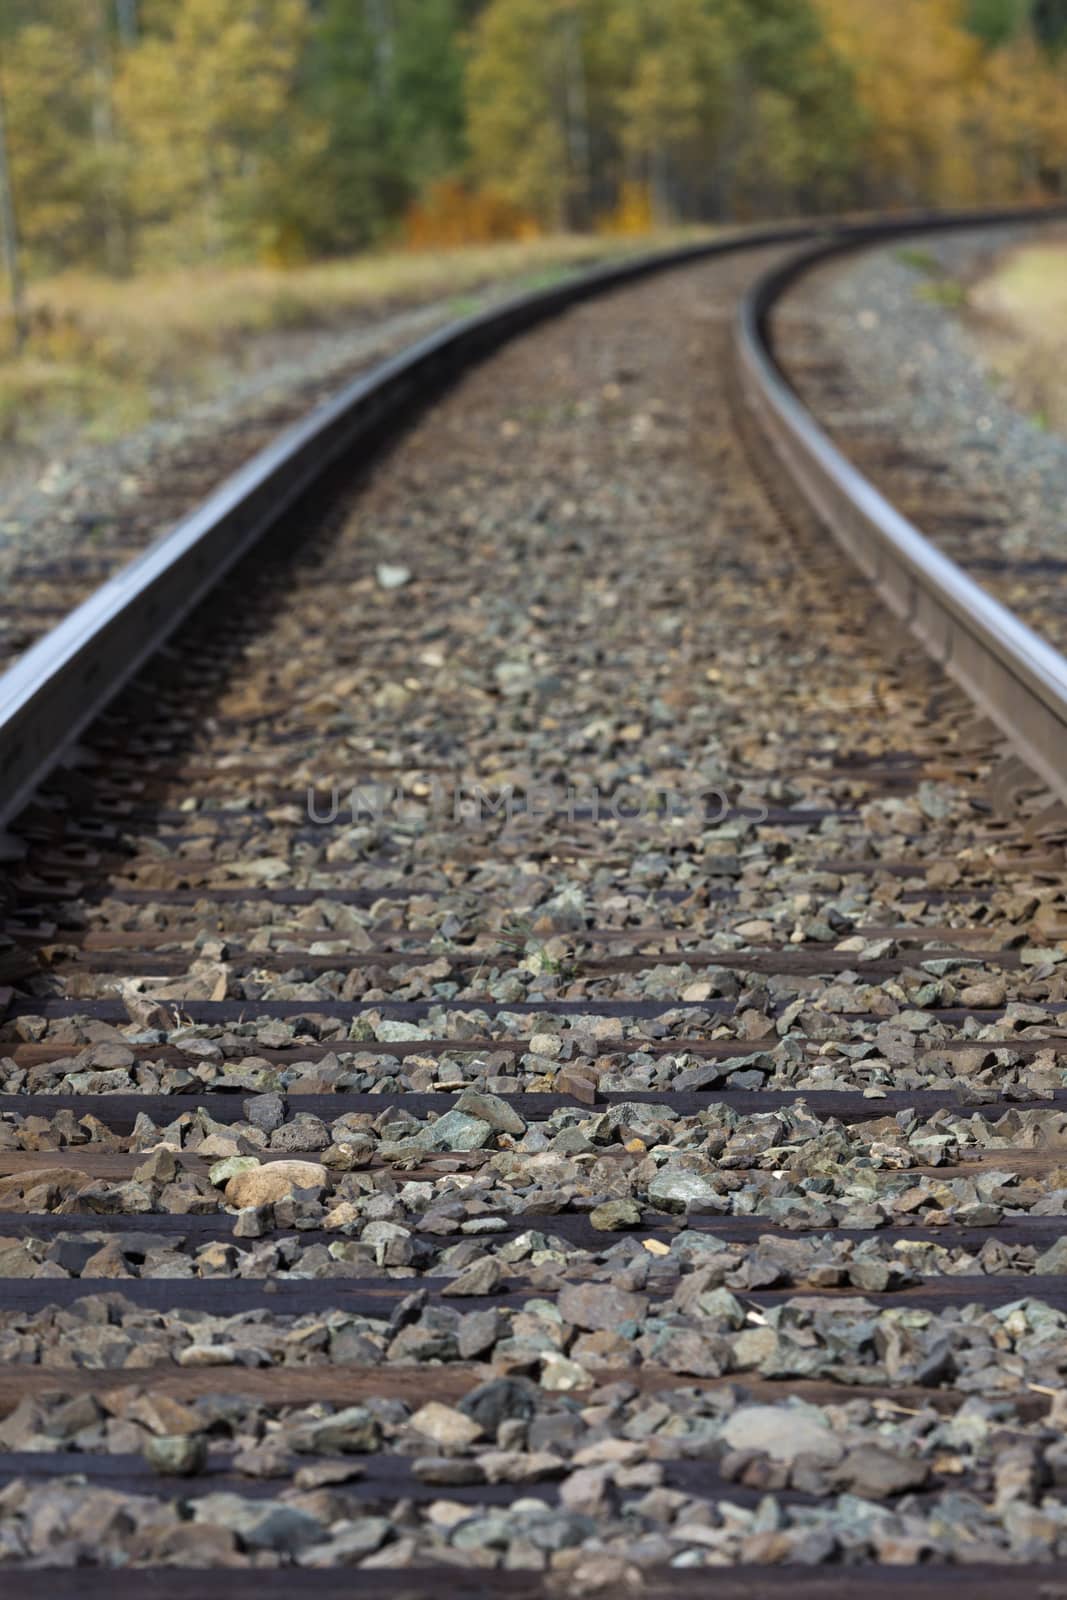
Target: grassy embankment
x,y
1018,310
1022,307
104,356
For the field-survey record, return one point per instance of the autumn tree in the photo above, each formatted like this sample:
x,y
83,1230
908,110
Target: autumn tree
x,y
69,169
205,96
541,123
707,102
795,129
195,130
918,73
673,70
963,99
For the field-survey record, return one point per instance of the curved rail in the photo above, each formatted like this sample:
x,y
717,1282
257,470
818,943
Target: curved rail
x,y
1016,678
56,689
62,682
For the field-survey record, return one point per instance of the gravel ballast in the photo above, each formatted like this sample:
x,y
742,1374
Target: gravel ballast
x,y
889,358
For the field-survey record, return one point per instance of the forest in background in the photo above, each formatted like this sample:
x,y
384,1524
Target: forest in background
x,y
144,132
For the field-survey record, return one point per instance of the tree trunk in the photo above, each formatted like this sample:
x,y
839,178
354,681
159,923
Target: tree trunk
x,y
9,240
578,135
126,21
659,169
380,24
103,124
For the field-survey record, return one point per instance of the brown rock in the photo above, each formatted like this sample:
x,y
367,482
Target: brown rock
x,y
275,1181
598,1306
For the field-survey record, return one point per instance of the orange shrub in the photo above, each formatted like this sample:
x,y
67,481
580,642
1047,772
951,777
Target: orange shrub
x,y
450,215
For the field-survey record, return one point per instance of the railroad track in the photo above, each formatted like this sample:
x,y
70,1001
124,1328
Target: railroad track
x,y
532,1024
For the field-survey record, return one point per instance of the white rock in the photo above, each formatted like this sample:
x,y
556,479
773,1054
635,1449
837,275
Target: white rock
x,y
783,1433
390,577
445,1425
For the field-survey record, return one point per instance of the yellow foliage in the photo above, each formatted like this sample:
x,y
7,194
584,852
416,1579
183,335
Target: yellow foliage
x,y
949,122
65,166
197,101
517,142
916,72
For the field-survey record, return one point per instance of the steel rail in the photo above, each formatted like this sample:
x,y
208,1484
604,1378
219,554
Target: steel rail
x,y
1013,675
55,690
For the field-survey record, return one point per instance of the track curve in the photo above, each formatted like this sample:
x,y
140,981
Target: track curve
x,y
1014,676
625,1138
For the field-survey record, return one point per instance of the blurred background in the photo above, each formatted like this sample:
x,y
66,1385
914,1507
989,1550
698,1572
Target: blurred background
x,y
177,174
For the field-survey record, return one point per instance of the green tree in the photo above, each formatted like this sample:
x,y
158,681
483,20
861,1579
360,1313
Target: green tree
x,y
794,126
997,21
384,78
1049,20
674,67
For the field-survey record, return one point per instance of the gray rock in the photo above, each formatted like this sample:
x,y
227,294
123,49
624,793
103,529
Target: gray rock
x,y
877,1474
457,1131
598,1306
400,1032
783,1433
110,1056
587,1491
348,1542
691,1353
748,1079
446,1426
180,1455
869,1275
265,1111
492,1403
324,1474
18,1261
353,1431
489,1532
560,1530
392,577
490,1108
614,1215
676,1189
481,1277
259,1524
304,1132
478,1333
1054,1259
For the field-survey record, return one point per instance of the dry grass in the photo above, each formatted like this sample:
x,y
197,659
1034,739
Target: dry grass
x,y
1022,305
105,355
